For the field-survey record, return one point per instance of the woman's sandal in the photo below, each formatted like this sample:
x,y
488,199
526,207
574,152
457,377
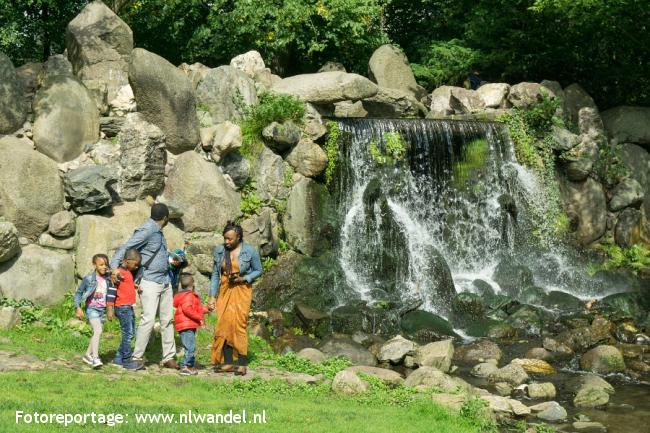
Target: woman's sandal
x,y
241,371
225,369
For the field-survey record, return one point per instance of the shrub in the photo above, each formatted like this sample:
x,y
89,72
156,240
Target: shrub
x,y
444,62
250,203
332,150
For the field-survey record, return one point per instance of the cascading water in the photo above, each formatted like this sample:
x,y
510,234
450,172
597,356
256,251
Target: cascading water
x,y
418,229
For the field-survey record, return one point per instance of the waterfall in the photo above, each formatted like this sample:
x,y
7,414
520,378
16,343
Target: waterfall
x,y
420,229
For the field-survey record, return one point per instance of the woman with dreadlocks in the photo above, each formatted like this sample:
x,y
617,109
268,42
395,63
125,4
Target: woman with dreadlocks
x,y
236,265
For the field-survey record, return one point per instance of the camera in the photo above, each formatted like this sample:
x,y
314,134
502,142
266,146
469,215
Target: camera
x,y
232,277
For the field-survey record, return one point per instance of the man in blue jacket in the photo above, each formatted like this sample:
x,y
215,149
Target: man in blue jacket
x,y
155,288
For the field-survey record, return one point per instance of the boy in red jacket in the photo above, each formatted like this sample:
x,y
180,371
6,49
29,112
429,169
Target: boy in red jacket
x,y
188,317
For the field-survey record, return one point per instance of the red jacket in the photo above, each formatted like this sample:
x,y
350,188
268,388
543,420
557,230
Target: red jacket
x,y
189,311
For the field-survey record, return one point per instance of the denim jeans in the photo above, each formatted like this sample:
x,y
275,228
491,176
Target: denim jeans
x,y
188,340
126,316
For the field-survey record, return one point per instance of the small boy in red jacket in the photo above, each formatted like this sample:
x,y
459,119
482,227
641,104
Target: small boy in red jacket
x,y
188,317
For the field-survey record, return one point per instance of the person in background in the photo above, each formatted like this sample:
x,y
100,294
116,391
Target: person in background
x,y
177,261
188,317
475,79
92,294
120,301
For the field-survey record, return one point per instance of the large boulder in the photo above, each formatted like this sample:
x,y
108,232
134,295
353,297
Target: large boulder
x,y
258,231
281,137
196,72
392,103
438,354
237,167
99,44
28,200
165,96
494,95
9,245
590,391
308,158
227,140
628,193
327,87
225,92
478,351
198,188
585,202
448,100
269,176
12,107
512,374
575,98
603,360
90,188
525,94
348,383
628,124
38,274
347,348
106,233
309,219
142,158
390,68
628,228
66,118
249,63
426,378
395,349
389,377
580,160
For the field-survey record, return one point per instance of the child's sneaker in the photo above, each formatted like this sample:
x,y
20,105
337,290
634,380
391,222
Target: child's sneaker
x,y
188,371
88,360
97,363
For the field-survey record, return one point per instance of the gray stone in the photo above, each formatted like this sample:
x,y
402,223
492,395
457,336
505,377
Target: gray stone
x,y
90,188
123,103
349,109
541,390
237,167
66,118
312,355
28,201
348,383
603,359
196,72
550,411
437,354
142,158
589,121
494,95
99,44
504,405
504,389
575,98
49,241
249,63
448,100
281,136
48,286
628,124
227,139
347,348
478,351
110,125
564,139
390,68
628,228
525,94
484,369
389,377
513,374
395,349
13,109
332,66
258,231
165,96
628,193
225,92
426,378
391,103
9,245
327,87
56,64
308,221
591,391
269,176
307,158
198,187
579,161
589,427
585,201
9,317
313,127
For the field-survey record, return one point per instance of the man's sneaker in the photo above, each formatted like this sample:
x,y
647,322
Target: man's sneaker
x,y
170,364
97,363
188,371
118,362
88,360
134,364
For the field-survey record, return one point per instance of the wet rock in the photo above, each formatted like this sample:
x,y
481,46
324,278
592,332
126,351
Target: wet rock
x,y
438,354
539,353
512,277
348,383
513,374
467,307
484,369
528,319
589,427
603,360
562,301
591,391
395,349
423,323
507,406
476,352
549,411
535,366
541,390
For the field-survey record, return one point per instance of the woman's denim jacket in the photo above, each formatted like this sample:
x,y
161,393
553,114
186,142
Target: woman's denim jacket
x,y
250,265
86,288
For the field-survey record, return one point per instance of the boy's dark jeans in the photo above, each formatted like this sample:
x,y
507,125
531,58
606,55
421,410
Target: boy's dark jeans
x,y
126,316
188,340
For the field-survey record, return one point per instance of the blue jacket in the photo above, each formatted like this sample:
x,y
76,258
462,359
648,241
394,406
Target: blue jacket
x,y
87,288
149,240
250,265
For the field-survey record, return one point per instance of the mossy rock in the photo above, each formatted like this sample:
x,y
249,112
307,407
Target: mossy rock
x,y
528,319
513,277
468,307
532,295
483,288
622,306
491,328
562,301
417,321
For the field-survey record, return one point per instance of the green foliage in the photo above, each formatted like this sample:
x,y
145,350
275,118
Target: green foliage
x,y
474,155
635,258
267,263
474,409
529,129
283,246
610,167
287,179
444,62
250,203
291,362
380,393
394,149
332,150
271,108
